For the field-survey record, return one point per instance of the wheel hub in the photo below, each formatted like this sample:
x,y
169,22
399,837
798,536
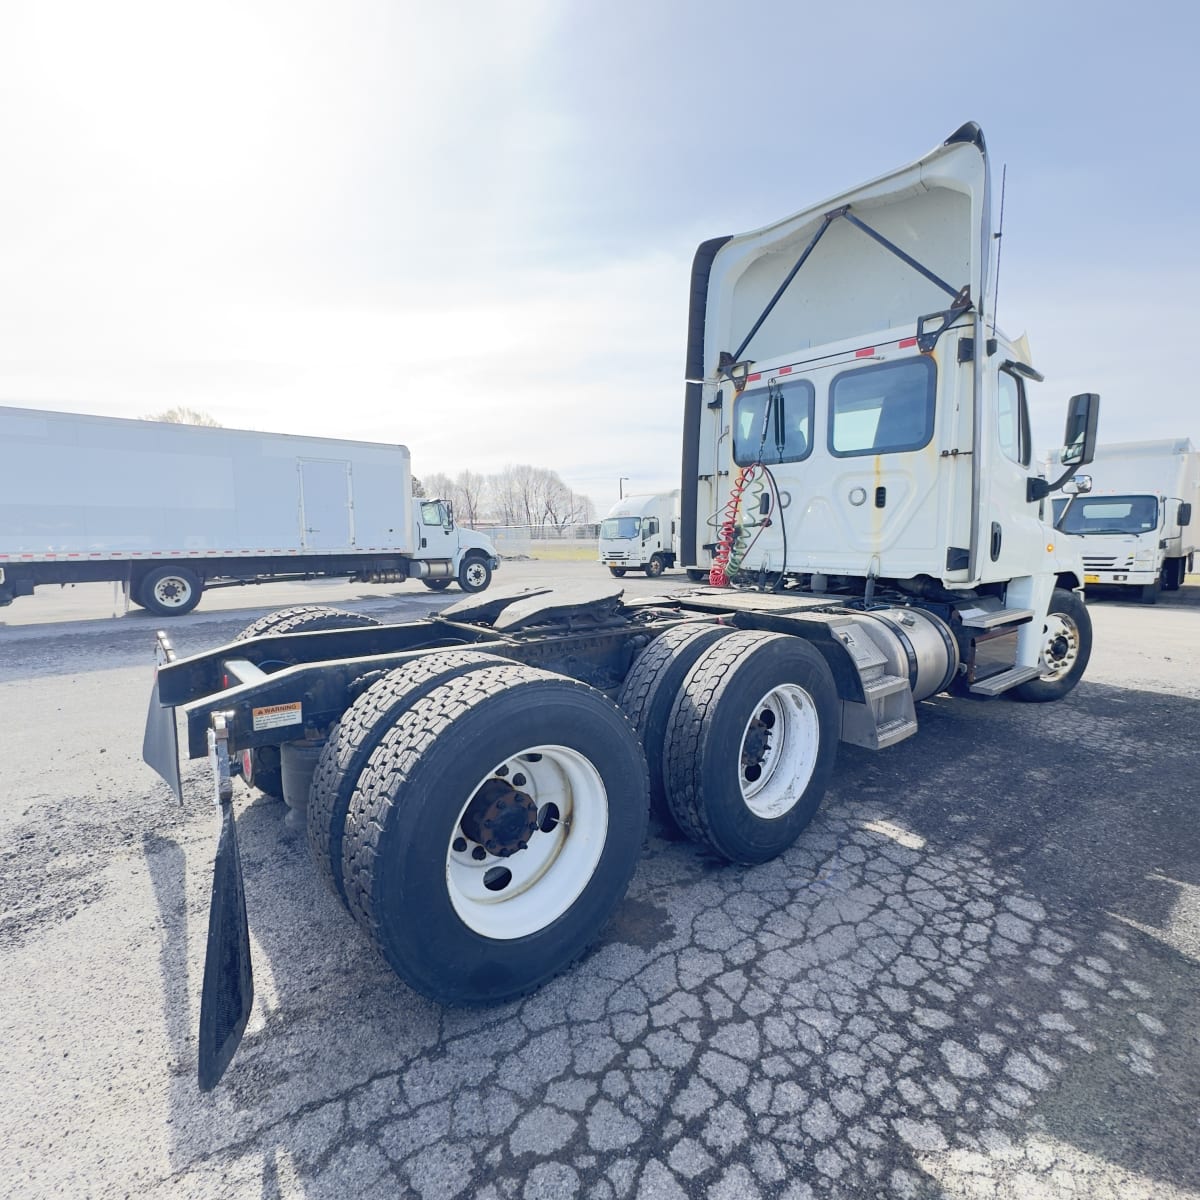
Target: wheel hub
x,y
500,818
1059,647
756,744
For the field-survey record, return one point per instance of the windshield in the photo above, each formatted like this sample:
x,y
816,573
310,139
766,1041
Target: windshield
x,y
620,527
1111,514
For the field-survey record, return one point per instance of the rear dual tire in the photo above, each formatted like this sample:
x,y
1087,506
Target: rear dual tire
x,y
261,766
751,743
474,761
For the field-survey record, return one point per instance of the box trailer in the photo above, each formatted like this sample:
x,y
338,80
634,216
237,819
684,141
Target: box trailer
x,y
169,510
1136,522
858,477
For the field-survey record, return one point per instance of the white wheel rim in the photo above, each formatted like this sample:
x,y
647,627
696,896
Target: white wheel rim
x,y
475,574
546,877
1060,646
778,754
172,591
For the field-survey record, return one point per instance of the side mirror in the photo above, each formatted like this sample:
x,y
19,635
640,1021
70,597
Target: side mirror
x,y
1185,513
1079,444
1083,422
1078,486
449,515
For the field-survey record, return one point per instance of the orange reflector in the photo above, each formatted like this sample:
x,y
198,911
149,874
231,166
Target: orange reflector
x,y
906,343
1049,547
866,352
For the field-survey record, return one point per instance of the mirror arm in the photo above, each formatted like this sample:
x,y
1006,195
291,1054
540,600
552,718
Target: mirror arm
x,y
1037,488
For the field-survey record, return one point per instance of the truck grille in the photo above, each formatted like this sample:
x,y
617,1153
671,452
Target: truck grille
x,y
1109,563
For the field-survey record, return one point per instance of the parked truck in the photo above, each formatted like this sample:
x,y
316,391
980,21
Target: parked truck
x,y
169,510
641,533
858,480
1135,521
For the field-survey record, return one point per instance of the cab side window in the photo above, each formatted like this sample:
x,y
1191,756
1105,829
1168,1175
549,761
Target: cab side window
x,y
1012,418
432,513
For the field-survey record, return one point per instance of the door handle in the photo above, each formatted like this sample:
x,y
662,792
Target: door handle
x,y
997,538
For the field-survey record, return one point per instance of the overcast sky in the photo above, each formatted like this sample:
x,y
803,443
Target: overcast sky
x,y
469,227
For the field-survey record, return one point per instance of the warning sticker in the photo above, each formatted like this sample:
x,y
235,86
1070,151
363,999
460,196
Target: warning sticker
x,y
274,715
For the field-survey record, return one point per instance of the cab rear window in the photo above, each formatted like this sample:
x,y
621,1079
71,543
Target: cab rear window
x,y
883,408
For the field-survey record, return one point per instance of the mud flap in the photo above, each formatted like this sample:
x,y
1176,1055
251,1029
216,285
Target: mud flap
x,y
228,992
160,742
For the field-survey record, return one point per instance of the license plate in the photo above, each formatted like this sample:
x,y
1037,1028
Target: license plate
x,y
1091,579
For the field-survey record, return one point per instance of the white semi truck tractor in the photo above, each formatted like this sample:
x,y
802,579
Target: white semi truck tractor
x,y
1136,520
857,482
641,533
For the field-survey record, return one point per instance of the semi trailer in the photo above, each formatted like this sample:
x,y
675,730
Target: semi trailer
x,y
170,510
858,485
1135,521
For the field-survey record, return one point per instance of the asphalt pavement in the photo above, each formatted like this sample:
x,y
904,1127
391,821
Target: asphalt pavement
x,y
974,975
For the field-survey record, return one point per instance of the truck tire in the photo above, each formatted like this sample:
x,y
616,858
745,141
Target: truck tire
x,y
751,743
655,567
474,573
261,767
467,765
1173,573
352,740
617,572
1066,648
1148,592
304,618
648,695
437,585
169,591
696,575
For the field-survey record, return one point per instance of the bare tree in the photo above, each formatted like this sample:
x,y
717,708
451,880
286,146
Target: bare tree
x,y
182,415
439,485
469,491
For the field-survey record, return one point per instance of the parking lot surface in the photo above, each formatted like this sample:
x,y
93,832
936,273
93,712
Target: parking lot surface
x,y
976,973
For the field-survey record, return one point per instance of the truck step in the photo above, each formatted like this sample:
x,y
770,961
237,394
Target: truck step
x,y
995,684
989,618
884,685
896,730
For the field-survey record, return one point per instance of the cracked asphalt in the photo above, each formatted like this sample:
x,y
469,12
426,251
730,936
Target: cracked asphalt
x,y
974,975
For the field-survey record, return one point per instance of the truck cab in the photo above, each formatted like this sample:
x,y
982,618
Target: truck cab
x,y
856,425
445,551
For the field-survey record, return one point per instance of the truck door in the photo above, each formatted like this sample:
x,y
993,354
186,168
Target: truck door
x,y
1011,533
436,534
326,504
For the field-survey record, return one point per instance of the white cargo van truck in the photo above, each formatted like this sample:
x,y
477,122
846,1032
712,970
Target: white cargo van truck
x,y
1136,520
641,533
170,510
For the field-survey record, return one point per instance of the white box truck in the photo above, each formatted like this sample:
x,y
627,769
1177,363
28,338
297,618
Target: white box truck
x,y
856,470
1136,523
641,533
170,510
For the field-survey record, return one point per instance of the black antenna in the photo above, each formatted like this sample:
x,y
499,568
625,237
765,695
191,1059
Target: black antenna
x,y
999,237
